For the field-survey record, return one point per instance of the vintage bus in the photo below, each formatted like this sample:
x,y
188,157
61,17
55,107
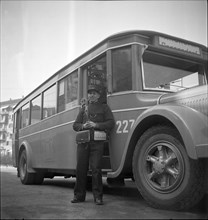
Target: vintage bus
x,y
156,87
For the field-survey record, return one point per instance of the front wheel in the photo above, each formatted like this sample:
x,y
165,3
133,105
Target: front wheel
x,y
164,174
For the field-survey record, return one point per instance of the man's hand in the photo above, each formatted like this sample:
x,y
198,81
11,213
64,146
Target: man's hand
x,y
89,124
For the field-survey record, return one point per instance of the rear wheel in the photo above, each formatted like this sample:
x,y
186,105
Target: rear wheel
x,y
26,177
165,176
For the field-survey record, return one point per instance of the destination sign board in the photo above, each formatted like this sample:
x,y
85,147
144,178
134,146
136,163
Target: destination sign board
x,y
178,45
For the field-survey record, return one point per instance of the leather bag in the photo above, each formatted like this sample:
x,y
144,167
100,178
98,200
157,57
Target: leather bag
x,y
85,137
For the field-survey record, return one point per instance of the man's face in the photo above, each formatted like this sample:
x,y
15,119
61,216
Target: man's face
x,y
93,96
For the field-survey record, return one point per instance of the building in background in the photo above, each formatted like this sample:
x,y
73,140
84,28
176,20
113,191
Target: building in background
x,y
6,128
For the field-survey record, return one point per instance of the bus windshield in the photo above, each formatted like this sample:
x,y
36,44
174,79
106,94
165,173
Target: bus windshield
x,y
162,72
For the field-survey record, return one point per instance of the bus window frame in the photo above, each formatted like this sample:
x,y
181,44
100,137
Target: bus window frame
x,y
172,57
54,84
137,84
84,74
132,54
76,101
41,108
29,115
14,121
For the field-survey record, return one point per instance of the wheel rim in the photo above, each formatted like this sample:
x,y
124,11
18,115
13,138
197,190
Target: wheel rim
x,y
163,167
23,167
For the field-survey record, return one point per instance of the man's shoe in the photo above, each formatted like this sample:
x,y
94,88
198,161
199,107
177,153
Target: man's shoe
x,y
98,201
76,200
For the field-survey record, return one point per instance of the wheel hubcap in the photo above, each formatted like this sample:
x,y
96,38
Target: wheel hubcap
x,y
164,167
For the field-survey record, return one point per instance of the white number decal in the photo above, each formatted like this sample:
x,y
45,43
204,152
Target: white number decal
x,y
132,122
125,122
124,126
118,131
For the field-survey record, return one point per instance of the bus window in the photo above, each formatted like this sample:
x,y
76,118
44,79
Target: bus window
x,y
164,72
25,115
71,87
96,74
49,102
122,69
67,92
36,110
14,121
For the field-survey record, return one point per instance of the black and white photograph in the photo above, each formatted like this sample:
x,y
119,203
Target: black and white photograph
x,y
104,109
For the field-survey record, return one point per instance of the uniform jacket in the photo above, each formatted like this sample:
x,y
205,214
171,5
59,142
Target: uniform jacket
x,y
97,112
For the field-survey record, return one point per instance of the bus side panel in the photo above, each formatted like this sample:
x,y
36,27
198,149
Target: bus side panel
x,y
52,141
58,148
119,135
126,108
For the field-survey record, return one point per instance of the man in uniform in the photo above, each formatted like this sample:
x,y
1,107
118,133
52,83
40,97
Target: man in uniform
x,y
98,117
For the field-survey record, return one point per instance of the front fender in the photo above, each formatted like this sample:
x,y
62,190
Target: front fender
x,y
25,145
191,124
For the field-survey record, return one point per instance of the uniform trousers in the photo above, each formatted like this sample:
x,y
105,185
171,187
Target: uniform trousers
x,y
89,154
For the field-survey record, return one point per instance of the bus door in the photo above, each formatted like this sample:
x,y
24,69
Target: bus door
x,y
123,101
96,74
15,138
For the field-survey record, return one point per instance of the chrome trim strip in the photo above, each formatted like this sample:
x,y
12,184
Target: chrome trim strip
x,y
135,92
48,129
158,99
50,117
130,109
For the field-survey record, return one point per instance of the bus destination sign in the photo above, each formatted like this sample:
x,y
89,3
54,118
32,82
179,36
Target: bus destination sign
x,y
177,45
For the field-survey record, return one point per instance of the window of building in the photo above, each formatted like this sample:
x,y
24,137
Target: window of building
x,y
36,110
122,69
67,92
49,102
25,115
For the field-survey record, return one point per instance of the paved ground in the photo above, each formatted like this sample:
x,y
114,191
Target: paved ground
x,y
52,201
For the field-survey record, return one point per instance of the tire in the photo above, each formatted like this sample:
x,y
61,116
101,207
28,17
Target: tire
x,y
164,174
26,177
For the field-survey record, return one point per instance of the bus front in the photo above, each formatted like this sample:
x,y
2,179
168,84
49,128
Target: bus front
x,y
160,138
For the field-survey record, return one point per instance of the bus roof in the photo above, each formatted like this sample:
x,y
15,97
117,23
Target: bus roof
x,y
112,41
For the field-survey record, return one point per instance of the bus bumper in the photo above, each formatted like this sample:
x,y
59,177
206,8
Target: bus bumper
x,y
202,151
